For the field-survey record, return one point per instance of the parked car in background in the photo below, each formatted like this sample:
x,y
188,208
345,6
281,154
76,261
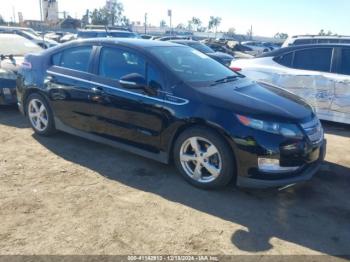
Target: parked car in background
x,y
320,74
28,34
256,47
222,58
173,37
68,37
223,49
315,39
12,50
82,34
171,102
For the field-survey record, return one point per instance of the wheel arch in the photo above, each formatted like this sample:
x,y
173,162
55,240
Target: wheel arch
x,y
29,92
204,124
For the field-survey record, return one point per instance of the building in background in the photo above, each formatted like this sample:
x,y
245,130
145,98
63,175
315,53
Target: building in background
x,y
50,11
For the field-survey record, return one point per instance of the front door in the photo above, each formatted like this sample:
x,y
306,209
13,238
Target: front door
x,y
128,115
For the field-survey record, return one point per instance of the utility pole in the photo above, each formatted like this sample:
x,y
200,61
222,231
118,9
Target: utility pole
x,y
14,14
170,14
145,23
41,11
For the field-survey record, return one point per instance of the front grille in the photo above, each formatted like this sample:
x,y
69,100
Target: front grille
x,y
313,130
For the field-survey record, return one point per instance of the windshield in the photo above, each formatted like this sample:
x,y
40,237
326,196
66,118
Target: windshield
x,y
191,65
17,46
203,48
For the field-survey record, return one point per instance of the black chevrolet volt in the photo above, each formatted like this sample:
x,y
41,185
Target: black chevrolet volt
x,y
172,103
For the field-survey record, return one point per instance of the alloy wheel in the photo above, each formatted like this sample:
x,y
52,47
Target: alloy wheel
x,y
200,159
38,115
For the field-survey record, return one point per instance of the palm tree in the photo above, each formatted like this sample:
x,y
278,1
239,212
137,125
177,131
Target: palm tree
x,y
197,22
214,22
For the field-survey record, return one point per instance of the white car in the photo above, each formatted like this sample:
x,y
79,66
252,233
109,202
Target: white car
x,y
29,34
318,73
315,39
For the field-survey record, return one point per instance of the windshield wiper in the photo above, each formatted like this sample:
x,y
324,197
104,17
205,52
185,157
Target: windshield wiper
x,y
226,80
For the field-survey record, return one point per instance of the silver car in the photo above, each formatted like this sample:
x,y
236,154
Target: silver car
x,y
318,73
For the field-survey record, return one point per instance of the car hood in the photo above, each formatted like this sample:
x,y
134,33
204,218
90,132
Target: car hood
x,y
258,100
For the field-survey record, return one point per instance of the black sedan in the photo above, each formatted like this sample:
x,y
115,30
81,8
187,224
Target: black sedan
x,y
12,50
223,58
170,103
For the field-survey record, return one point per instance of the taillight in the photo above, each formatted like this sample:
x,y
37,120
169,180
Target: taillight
x,y
235,69
26,65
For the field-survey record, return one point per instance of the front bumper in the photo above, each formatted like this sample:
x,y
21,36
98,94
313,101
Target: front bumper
x,y
305,174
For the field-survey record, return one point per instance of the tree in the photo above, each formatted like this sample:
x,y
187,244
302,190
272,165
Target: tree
x,y
324,33
162,24
111,15
250,34
214,22
181,26
196,22
2,21
281,35
231,31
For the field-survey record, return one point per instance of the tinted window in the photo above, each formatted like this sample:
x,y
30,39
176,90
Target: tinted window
x,y
116,63
317,59
345,62
285,60
304,41
191,65
154,77
74,58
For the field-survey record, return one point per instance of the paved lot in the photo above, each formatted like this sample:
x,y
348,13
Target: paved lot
x,y
66,195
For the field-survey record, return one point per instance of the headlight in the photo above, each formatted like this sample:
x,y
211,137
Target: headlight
x,y
286,130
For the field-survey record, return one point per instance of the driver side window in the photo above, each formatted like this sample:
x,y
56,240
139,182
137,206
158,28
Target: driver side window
x,y
116,63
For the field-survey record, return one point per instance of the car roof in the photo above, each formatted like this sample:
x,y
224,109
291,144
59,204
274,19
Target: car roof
x,y
132,42
284,50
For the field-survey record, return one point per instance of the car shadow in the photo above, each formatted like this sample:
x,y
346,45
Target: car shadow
x,y
336,128
10,116
314,215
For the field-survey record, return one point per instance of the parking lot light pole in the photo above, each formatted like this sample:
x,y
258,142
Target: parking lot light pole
x,y
170,18
145,23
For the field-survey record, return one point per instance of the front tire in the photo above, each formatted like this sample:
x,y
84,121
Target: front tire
x,y
40,115
204,158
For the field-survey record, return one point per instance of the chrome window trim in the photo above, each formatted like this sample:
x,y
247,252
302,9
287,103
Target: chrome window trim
x,y
185,101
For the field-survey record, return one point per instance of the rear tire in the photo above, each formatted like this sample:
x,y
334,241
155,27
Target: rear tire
x,y
204,158
40,115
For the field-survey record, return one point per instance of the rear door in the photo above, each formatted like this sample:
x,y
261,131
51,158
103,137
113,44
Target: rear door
x,y
341,103
69,87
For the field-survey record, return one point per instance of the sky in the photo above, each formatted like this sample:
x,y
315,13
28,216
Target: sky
x,y
266,16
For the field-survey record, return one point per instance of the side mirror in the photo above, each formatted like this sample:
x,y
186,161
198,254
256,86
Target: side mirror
x,y
137,81
133,81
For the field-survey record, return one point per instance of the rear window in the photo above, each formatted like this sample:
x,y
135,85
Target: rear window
x,y
74,58
345,62
285,60
316,59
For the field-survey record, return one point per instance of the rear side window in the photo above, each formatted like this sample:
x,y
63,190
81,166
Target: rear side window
x,y
116,63
285,60
345,62
304,41
74,58
317,59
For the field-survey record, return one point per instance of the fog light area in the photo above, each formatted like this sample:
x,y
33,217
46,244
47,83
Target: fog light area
x,y
272,165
